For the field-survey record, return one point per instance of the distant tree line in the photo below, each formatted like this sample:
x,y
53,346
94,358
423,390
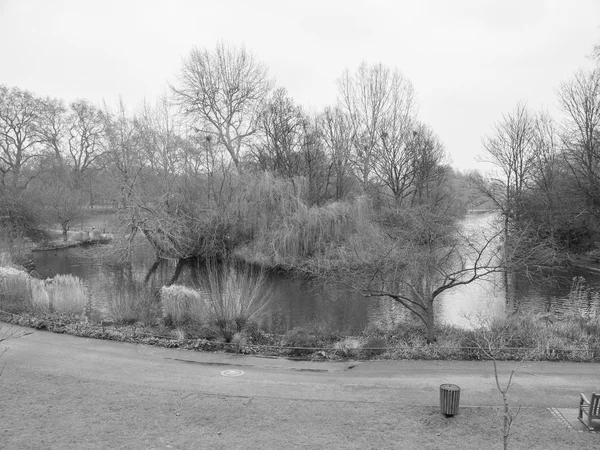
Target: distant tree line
x,y
547,170
224,120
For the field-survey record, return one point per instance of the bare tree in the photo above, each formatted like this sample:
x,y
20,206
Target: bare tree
x,y
85,144
551,204
125,160
10,333
335,132
52,127
596,53
282,126
317,166
412,256
580,101
19,136
491,339
75,135
408,161
429,156
161,136
379,103
511,150
221,91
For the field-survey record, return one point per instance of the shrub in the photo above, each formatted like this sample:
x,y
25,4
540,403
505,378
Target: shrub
x,y
254,333
132,303
15,290
182,306
374,346
5,259
239,341
347,347
300,338
233,298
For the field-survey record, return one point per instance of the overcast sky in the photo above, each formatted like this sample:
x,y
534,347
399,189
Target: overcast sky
x,y
469,60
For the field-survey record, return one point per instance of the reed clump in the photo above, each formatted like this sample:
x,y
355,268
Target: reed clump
x,y
129,302
228,300
182,306
19,292
309,232
66,295
233,298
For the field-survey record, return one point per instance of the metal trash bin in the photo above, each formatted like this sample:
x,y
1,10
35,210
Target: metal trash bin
x,y
449,399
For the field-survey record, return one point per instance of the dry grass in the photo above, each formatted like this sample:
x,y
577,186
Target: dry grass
x,y
67,295
5,259
234,298
182,305
141,417
64,294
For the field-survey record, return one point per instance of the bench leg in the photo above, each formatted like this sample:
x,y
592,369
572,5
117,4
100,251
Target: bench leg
x,y
587,421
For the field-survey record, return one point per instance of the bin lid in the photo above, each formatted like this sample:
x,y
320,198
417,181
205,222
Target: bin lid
x,y
450,387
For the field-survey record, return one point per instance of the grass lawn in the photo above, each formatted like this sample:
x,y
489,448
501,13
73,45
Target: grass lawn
x,y
39,410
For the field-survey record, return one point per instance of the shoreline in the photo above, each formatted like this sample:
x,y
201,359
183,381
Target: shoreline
x,y
84,243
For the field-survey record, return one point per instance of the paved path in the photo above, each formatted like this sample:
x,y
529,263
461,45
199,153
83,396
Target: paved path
x,y
399,382
63,392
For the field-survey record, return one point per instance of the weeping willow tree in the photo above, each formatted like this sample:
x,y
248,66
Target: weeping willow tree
x,y
186,223
305,232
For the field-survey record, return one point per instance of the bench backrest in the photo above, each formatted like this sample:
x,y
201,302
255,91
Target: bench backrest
x,y
595,406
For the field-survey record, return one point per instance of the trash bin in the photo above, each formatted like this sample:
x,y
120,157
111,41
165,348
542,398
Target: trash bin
x,y
449,399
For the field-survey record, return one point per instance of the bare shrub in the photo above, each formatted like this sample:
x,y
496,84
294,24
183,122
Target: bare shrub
x,y
130,303
239,341
10,332
234,297
492,336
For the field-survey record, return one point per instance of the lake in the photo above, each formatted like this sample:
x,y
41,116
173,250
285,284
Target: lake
x,y
304,303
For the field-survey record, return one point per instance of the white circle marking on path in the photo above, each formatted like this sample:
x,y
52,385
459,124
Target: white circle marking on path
x,y
232,373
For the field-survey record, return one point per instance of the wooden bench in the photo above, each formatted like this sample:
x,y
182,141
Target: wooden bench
x,y
591,408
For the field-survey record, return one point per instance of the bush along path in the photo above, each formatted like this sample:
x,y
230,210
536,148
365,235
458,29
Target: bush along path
x,y
300,344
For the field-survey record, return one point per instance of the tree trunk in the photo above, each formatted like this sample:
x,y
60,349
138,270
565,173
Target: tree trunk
x,y
431,338
506,422
152,269
178,269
